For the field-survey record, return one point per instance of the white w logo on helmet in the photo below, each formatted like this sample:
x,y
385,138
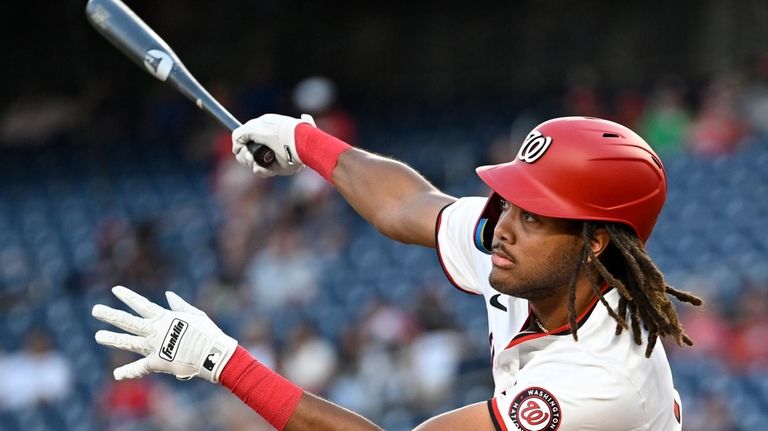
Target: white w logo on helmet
x,y
534,146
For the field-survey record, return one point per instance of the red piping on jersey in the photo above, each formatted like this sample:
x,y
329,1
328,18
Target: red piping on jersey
x,y
440,258
517,340
502,426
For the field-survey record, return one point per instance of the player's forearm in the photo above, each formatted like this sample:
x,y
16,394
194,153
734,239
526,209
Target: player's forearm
x,y
283,404
390,195
316,414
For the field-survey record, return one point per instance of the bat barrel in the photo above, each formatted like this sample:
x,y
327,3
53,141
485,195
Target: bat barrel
x,y
132,36
126,31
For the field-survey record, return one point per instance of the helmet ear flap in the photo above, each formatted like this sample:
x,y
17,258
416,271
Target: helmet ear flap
x,y
487,223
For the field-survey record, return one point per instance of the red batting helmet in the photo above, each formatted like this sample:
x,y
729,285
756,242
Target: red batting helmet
x,y
579,168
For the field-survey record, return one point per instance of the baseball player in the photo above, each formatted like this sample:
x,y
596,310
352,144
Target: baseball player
x,y
564,229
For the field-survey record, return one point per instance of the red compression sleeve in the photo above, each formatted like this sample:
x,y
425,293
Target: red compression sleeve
x,y
318,150
263,390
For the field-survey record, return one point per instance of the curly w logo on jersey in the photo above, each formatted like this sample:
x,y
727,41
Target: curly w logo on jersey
x,y
535,409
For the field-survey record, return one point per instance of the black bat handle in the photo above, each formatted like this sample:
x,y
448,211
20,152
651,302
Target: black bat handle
x,y
262,154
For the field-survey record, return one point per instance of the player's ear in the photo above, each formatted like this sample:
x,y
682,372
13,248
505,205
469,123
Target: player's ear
x,y
599,241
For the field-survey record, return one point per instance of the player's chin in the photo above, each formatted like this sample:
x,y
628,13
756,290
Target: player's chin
x,y
507,283
502,281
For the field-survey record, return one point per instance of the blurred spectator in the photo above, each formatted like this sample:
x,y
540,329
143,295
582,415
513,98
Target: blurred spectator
x,y
36,120
349,389
354,393
227,413
317,96
718,129
707,327
747,348
143,266
431,312
434,358
229,302
385,332
582,96
629,108
383,370
125,404
285,271
9,298
709,413
729,337
384,322
665,122
34,375
435,354
755,96
583,100
308,192
309,360
258,341
127,254
142,404
247,214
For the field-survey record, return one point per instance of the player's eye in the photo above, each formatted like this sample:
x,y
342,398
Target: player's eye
x,y
528,217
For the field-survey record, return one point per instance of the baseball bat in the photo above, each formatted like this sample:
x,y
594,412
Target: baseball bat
x,y
126,31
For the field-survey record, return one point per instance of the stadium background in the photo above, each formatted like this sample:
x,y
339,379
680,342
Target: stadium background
x,y
107,177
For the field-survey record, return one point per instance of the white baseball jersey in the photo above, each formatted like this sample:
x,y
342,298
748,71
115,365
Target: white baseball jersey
x,y
549,381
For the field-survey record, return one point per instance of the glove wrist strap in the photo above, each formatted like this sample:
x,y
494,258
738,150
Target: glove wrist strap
x,y
219,354
269,394
318,150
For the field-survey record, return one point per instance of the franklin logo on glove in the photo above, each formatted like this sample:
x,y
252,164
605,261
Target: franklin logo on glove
x,y
172,338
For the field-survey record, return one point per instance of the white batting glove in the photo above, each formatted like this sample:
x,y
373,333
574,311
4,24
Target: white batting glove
x,y
181,341
276,132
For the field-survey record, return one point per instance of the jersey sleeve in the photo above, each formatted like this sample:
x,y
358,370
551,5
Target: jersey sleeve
x,y
559,399
465,266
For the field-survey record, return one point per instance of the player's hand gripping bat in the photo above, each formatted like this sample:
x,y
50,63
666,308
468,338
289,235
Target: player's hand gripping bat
x,y
126,31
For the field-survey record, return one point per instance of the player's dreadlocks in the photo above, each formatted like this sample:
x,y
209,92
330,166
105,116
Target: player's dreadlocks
x,y
626,267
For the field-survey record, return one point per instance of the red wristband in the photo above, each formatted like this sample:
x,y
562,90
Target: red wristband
x,y
269,394
318,150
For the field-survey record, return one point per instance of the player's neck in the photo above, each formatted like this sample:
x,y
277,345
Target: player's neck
x,y
552,312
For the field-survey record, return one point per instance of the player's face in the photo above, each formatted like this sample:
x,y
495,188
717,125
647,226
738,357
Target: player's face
x,y
533,256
